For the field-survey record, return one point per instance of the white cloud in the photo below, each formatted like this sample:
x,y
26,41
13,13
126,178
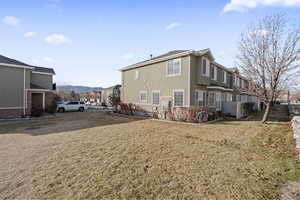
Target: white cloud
x,y
11,20
244,5
128,56
30,34
49,60
172,26
57,39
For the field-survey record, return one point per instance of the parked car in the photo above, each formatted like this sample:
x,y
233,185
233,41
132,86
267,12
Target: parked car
x,y
72,106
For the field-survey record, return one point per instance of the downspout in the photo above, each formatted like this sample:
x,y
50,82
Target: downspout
x,y
189,83
24,95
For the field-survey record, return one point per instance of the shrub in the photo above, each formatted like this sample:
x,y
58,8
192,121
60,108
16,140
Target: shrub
x,y
248,107
53,107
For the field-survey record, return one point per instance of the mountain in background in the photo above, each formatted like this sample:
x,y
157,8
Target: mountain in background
x,y
78,88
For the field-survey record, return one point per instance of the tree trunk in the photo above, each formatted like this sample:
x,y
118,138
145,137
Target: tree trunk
x,y
266,114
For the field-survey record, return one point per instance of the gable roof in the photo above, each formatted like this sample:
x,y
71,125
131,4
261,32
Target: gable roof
x,y
12,62
43,70
170,55
6,60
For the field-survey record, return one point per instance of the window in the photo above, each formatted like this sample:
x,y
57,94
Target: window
x,y
229,97
212,72
204,67
225,77
72,103
216,73
178,98
244,98
155,97
200,98
211,99
224,97
136,75
174,67
221,75
238,98
218,101
143,97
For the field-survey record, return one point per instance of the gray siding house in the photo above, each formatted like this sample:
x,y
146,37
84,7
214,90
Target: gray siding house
x,y
24,88
183,78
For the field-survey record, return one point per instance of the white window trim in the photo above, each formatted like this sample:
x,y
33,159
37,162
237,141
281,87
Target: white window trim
x,y
204,97
167,65
173,97
145,92
208,103
225,77
155,91
216,73
207,67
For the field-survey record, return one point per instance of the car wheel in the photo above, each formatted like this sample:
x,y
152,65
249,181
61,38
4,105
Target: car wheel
x,y
81,109
61,110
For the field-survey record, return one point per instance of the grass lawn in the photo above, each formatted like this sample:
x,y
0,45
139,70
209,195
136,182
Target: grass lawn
x,y
101,156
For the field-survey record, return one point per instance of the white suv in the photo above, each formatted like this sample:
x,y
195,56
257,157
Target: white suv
x,y
72,106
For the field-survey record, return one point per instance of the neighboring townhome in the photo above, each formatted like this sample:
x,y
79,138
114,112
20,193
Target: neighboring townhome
x,y
107,93
183,78
24,88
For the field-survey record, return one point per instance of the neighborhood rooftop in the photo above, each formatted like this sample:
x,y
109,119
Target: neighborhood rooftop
x,y
9,61
178,53
166,56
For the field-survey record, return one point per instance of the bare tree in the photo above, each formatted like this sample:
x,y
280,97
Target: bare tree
x,y
269,54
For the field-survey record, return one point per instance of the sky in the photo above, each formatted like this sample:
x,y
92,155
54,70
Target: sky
x,y
88,41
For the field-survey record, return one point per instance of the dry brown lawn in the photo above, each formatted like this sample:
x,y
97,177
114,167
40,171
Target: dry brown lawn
x,y
102,156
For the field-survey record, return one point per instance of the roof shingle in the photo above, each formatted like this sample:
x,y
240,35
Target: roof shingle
x,y
6,60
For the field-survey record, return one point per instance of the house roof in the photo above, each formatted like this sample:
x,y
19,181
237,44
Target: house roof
x,y
9,61
6,60
44,70
170,55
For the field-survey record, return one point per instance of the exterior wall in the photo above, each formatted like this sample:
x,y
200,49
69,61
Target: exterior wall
x,y
12,86
154,77
42,80
9,113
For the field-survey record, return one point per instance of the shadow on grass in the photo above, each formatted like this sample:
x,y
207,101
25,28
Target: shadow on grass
x,y
64,122
278,113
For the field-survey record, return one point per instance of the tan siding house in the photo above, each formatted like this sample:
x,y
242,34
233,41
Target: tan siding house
x,y
182,78
23,88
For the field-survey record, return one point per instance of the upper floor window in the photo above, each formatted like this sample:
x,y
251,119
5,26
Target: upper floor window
x,y
222,75
205,67
174,67
136,75
225,77
213,72
178,97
